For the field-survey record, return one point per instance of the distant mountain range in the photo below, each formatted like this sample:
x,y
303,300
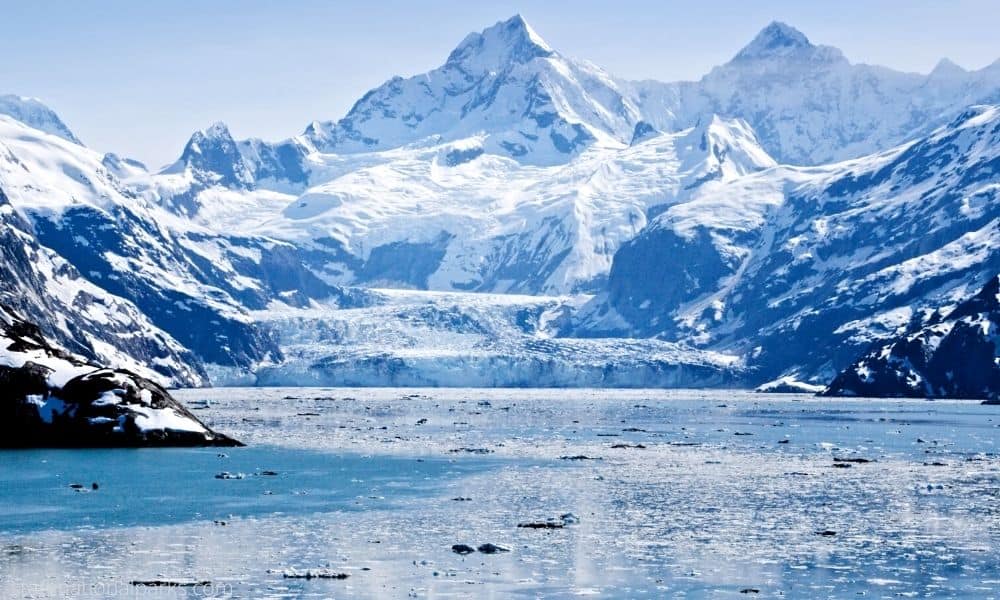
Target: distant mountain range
x,y
771,220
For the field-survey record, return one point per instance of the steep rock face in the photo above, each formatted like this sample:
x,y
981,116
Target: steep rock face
x,y
210,158
80,316
952,356
803,268
50,398
213,156
522,99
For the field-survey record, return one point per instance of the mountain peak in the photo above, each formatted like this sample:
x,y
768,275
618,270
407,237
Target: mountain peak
x,y
213,154
218,130
777,39
33,113
947,67
507,42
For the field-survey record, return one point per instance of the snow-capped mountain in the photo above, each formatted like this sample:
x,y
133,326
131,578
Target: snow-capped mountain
x,y
461,178
953,355
211,157
532,103
35,114
451,217
192,283
799,269
810,105
514,169
212,161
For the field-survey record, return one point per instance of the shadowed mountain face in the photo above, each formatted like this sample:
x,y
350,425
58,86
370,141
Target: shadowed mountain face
x,y
804,269
956,355
78,315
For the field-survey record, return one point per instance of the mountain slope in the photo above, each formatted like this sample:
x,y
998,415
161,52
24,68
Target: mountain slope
x,y
452,217
36,115
803,268
952,356
80,316
471,159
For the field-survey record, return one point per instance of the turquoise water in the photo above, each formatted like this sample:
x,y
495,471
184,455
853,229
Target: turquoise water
x,y
166,486
681,494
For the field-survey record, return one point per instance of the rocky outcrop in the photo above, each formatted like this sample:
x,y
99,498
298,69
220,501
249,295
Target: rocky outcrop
x,y
50,398
956,356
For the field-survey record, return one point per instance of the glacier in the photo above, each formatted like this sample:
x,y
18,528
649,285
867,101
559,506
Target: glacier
x,y
449,339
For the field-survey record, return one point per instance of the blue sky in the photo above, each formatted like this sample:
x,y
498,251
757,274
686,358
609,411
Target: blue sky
x,y
138,77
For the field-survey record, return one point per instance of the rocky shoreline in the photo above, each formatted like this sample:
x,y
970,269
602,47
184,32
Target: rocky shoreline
x,y
50,398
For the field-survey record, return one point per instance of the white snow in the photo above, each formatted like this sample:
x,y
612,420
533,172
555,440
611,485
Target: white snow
x,y
163,419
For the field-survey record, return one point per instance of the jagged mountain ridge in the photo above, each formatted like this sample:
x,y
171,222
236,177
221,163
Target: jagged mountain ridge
x,y
236,228
506,81
801,269
807,103
532,103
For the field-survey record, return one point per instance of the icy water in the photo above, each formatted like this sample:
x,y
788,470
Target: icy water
x,y
682,494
